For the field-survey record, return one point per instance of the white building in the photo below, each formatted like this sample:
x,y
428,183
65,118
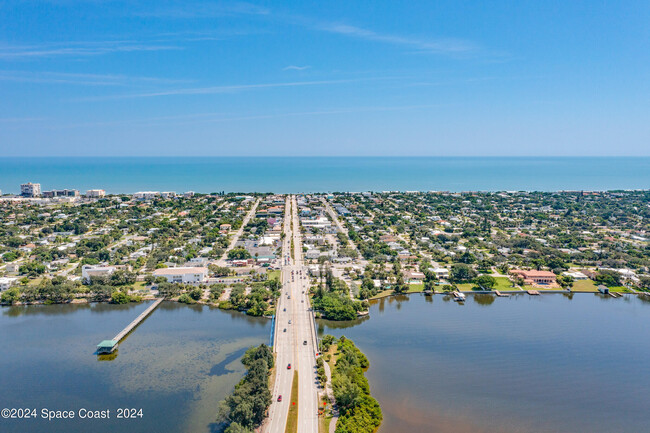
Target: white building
x,y
441,273
146,195
30,189
187,275
320,222
88,271
7,282
312,254
168,194
13,267
95,193
576,275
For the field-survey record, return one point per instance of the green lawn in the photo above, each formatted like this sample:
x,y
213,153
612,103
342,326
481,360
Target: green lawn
x,y
415,288
139,285
273,274
503,283
541,289
382,294
584,286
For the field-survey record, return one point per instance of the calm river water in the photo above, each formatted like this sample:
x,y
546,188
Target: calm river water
x,y
520,364
176,366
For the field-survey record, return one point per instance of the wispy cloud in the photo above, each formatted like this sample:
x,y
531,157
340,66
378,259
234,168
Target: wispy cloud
x,y
186,10
76,49
442,45
47,77
207,118
19,120
223,89
295,68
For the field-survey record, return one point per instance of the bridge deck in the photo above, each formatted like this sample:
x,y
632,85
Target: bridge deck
x,y
137,320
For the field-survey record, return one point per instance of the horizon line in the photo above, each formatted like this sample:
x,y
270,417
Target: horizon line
x,y
319,156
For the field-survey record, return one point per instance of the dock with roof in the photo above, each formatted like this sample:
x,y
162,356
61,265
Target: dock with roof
x,y
109,346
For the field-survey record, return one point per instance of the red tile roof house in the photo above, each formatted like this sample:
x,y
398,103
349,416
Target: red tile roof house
x,y
539,278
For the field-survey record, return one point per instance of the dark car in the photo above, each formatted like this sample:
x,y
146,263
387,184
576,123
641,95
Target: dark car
x,y
304,343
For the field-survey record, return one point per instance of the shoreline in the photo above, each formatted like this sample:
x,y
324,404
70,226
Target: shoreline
x,y
506,292
82,301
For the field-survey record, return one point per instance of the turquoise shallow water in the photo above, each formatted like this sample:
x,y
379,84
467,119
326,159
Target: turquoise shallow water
x,y
326,174
176,366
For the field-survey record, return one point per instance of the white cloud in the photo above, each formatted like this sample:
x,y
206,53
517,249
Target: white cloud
x,y
81,79
444,45
295,68
75,49
218,89
186,10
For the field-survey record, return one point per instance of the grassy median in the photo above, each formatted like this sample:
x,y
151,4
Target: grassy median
x,y
292,418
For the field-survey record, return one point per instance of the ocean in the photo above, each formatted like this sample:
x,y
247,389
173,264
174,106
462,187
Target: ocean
x,y
326,174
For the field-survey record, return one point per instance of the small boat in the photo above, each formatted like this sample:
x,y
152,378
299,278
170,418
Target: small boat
x,y
458,296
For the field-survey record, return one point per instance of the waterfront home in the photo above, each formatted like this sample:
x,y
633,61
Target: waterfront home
x,y
543,278
185,275
413,276
576,275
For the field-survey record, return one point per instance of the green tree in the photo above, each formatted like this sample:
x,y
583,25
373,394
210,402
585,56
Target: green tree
x,y
10,296
119,297
461,273
485,282
239,254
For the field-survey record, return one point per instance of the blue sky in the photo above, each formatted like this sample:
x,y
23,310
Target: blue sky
x,y
324,78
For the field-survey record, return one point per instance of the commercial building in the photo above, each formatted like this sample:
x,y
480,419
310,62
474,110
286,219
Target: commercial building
x,y
88,271
186,275
61,193
319,223
146,195
95,193
30,189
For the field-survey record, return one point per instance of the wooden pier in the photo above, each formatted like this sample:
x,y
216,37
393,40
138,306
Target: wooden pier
x,y
501,295
108,346
533,292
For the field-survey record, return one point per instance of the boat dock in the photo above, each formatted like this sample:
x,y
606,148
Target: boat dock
x,y
501,295
532,292
458,296
109,346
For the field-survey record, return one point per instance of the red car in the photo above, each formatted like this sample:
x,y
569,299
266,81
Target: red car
x,y
279,398
289,367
